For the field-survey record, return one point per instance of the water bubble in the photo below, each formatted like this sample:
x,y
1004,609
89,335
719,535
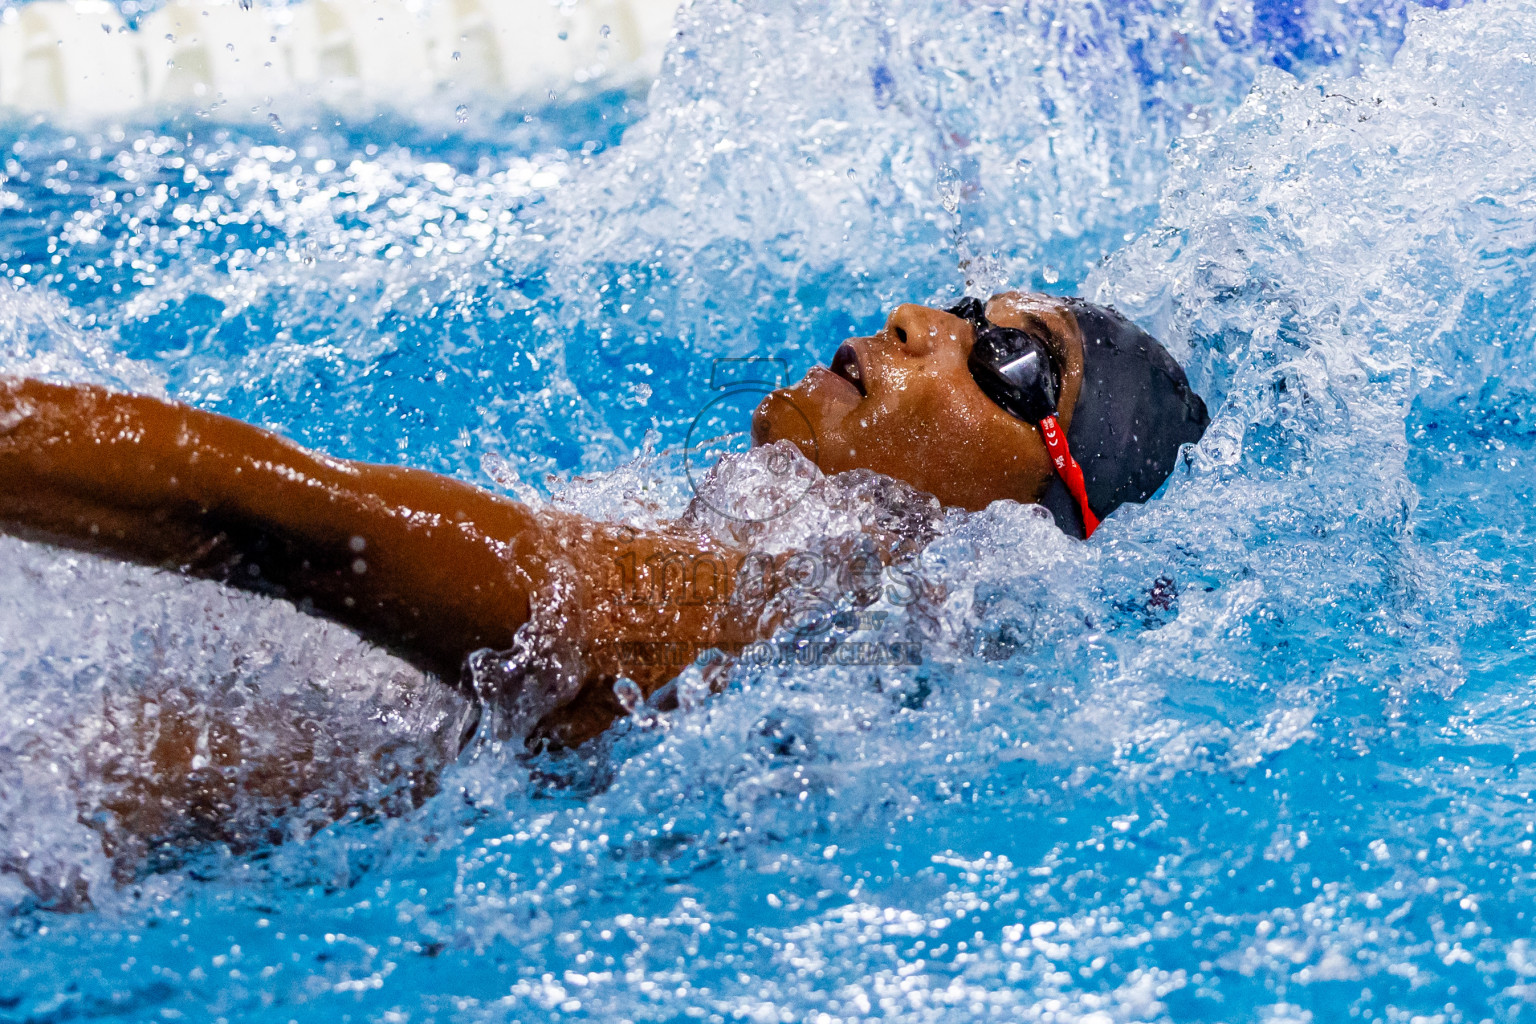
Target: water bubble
x,y
642,393
604,31
457,55
461,113
275,121
785,734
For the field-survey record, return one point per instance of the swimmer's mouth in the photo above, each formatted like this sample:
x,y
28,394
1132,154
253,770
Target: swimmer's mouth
x,y
845,363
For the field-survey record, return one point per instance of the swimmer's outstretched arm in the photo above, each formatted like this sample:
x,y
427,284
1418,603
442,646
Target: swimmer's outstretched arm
x,y
429,567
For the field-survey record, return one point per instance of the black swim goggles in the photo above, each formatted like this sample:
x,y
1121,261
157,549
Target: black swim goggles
x,y
1014,368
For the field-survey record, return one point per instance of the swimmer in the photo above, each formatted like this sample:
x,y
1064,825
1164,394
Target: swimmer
x,y
1026,397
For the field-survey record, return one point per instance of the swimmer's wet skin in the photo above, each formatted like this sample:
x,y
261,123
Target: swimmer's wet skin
x,y
437,570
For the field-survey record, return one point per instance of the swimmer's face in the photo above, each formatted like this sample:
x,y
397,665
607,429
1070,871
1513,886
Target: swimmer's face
x,y
903,403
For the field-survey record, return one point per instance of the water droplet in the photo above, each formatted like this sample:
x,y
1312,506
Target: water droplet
x,y
457,55
1049,274
853,175
629,694
245,5
604,31
461,113
949,189
275,121
642,393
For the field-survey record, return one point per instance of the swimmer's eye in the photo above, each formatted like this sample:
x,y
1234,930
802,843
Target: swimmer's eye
x,y
1012,367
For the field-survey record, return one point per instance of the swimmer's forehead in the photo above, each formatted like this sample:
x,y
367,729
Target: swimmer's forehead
x,y
1032,312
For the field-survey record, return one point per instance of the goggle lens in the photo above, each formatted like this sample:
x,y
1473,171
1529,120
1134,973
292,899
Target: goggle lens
x,y
1012,367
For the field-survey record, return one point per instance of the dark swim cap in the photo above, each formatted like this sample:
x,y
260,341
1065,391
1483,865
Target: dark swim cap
x,y
1134,411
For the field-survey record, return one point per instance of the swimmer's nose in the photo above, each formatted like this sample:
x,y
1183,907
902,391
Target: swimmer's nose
x,y
912,329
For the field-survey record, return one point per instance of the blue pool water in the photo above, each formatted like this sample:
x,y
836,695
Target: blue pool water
x,y
1298,790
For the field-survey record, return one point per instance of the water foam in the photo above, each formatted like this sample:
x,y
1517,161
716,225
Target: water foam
x,y
150,719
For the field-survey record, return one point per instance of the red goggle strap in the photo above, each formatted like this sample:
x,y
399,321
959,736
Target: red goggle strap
x,y
1070,472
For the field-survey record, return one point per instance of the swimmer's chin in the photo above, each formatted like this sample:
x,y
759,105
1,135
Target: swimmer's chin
x,y
800,413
